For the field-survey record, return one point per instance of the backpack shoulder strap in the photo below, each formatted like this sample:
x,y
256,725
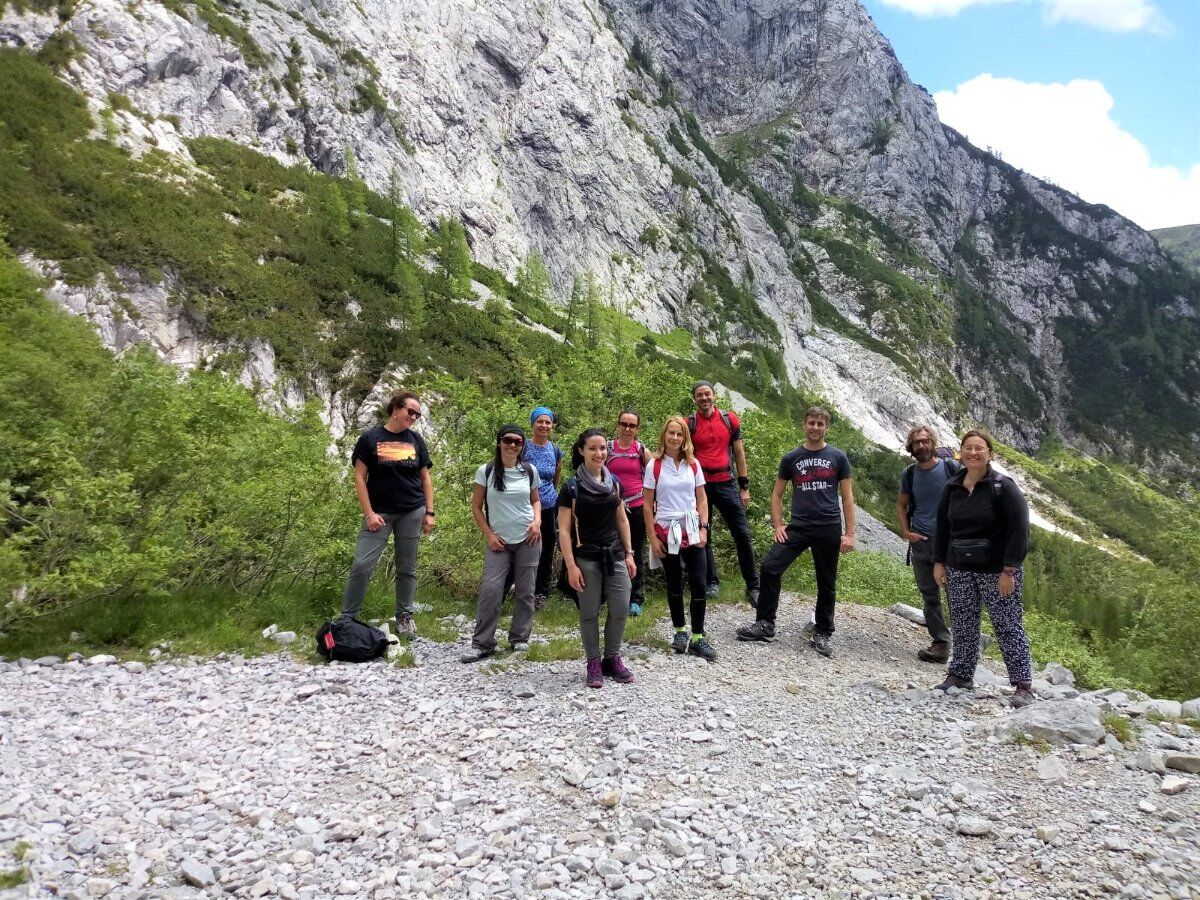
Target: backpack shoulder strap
x,y
728,425
529,470
657,470
691,420
906,479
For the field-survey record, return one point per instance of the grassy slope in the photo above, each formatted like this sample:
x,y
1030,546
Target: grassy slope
x,y
1183,243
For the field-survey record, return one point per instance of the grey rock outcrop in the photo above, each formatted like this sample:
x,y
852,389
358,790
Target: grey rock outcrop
x,y
1061,722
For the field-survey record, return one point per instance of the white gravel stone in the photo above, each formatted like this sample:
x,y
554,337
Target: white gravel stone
x,y
1052,769
974,826
196,873
1173,784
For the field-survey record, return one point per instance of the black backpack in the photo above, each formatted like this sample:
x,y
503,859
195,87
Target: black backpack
x,y
350,640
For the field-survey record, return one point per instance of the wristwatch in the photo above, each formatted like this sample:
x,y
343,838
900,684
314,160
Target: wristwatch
x,y
706,525
431,513
743,482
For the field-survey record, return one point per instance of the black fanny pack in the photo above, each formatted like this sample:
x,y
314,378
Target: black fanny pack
x,y
972,554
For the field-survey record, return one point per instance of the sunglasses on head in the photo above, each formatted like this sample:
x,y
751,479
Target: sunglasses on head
x,y
512,441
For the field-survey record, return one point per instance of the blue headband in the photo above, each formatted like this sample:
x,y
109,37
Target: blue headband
x,y
542,411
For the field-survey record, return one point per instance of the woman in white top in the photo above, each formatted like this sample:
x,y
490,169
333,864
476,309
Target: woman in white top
x,y
676,513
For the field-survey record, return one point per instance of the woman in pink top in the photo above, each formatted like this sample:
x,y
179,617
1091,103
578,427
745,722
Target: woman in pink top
x,y
627,459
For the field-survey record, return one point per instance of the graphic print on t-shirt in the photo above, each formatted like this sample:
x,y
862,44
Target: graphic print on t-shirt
x,y
396,451
814,474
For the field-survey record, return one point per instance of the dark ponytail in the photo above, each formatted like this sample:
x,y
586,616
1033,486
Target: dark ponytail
x,y
577,447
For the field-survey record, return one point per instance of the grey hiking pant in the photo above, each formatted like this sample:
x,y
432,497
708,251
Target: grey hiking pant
x,y
407,528
921,557
613,589
522,560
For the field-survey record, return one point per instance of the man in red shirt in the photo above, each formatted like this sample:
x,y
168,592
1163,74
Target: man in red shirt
x,y
717,438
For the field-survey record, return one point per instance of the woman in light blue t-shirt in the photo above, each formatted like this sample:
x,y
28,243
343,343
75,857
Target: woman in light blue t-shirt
x,y
508,510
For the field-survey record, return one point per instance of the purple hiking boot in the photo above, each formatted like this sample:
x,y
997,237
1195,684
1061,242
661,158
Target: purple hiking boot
x,y
614,667
595,675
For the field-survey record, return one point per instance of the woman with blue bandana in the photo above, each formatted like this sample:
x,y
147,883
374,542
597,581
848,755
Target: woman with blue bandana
x,y
546,457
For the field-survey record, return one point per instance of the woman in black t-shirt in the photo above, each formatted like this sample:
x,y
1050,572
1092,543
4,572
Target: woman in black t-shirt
x,y
593,533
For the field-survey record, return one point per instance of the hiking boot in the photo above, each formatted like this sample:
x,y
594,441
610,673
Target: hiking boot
x,y
614,667
953,681
752,597
475,654
937,652
809,627
823,643
757,631
539,600
713,592
519,646
595,675
635,608
679,643
1023,696
700,647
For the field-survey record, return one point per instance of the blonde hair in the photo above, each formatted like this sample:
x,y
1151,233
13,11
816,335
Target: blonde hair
x,y
689,452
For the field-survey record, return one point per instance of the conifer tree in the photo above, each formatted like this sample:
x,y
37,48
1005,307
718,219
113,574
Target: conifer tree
x,y
331,207
454,255
574,306
592,307
408,235
533,280
356,191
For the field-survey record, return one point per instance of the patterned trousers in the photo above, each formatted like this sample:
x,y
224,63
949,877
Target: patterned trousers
x,y
969,593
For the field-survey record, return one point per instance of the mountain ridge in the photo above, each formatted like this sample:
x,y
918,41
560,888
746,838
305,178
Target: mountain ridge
x,y
543,129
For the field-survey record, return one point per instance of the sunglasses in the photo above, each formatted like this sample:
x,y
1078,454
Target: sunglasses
x,y
415,413
511,441
627,424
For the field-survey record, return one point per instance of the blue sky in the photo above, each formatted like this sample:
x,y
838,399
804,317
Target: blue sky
x,y
1099,96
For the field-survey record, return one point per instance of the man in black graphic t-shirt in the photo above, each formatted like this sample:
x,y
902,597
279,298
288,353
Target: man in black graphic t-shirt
x,y
821,494
391,479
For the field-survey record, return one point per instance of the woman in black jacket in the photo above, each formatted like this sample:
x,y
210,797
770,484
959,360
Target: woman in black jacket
x,y
981,541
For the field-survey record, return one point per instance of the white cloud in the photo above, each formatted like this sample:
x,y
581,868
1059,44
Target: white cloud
x,y
1108,15
1065,133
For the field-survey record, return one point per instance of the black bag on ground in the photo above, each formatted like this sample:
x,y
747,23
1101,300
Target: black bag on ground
x,y
350,640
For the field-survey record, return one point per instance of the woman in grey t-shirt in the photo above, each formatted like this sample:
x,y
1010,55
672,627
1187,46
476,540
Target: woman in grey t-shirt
x,y
506,507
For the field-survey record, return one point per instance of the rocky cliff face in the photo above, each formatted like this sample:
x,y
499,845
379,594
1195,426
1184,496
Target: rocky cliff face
x,y
810,89
531,123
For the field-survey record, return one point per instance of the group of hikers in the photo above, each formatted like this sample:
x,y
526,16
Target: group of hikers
x,y
966,524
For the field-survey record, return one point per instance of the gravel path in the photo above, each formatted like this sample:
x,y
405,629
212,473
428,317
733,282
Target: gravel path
x,y
772,773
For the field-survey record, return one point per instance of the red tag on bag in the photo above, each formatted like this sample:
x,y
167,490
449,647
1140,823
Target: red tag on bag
x,y
329,641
